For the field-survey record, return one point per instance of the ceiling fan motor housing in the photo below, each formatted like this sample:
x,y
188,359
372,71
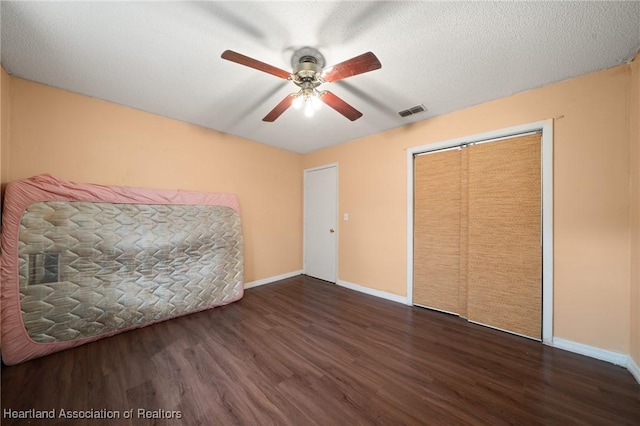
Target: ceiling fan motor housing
x,y
307,54
307,67
307,72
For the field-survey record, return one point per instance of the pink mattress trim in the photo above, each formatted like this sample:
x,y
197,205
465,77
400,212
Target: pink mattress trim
x,y
17,346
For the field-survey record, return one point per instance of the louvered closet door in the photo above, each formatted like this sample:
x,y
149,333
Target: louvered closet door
x,y
504,240
436,257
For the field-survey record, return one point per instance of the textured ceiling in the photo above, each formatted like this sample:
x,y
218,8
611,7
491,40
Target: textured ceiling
x,y
164,57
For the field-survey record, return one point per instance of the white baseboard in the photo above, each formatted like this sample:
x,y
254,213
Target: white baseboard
x,y
373,292
633,368
270,280
591,351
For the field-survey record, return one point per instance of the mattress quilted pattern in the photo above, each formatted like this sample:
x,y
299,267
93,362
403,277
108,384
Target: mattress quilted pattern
x,y
88,268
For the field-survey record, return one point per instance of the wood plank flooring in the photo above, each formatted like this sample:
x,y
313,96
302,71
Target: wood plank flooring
x,y
305,352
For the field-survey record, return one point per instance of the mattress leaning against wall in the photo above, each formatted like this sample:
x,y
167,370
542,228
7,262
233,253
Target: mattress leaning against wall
x,y
81,262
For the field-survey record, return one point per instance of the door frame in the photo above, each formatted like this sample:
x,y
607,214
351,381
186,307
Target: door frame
x,y
546,160
304,216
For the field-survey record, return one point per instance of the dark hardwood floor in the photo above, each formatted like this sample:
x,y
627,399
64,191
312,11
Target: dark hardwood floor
x,y
305,352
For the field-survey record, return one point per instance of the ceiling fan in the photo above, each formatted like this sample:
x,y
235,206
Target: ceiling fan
x,y
308,74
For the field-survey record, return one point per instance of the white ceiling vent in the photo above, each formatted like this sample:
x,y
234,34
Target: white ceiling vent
x,y
413,110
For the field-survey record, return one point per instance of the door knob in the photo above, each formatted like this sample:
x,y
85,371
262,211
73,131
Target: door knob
x,y
332,230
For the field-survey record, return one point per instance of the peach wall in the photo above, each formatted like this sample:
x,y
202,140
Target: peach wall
x,y
87,140
591,199
5,111
634,160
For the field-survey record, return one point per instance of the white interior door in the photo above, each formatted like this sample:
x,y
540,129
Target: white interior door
x,y
320,222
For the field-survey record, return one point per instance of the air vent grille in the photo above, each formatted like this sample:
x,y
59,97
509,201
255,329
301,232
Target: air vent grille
x,y
413,110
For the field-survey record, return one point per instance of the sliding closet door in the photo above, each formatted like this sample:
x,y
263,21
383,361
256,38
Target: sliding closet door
x,y
504,240
436,257
463,293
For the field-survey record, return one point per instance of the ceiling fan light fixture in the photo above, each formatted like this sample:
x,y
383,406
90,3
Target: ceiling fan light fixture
x,y
297,101
310,98
309,110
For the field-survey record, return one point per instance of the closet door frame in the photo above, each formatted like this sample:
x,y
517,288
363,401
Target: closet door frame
x,y
546,160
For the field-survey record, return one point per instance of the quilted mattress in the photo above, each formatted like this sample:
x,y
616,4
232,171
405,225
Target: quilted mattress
x,y
81,262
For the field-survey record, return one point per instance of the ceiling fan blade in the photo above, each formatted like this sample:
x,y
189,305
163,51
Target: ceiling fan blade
x,y
279,109
341,106
354,66
241,59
